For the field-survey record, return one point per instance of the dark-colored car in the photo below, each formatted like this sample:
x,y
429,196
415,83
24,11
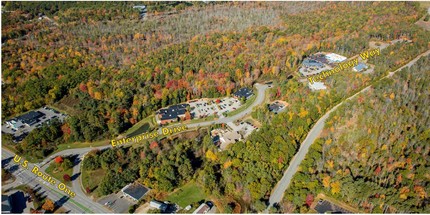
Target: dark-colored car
x,y
210,204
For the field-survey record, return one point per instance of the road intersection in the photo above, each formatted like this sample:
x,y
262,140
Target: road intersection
x,y
82,203
24,176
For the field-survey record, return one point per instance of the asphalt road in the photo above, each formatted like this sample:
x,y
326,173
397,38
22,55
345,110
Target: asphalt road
x,y
24,176
261,88
77,204
283,184
97,208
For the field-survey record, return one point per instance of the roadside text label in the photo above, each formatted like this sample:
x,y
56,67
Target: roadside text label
x,y
144,136
61,186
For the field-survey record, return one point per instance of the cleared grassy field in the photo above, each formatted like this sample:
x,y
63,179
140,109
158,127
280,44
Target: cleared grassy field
x,y
52,171
187,194
92,179
62,147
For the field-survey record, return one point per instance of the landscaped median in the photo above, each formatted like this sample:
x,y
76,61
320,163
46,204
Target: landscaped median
x,y
61,169
247,104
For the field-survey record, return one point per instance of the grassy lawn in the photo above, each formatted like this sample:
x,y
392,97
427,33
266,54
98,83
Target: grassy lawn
x,y
52,171
243,107
92,178
209,118
187,194
141,127
62,147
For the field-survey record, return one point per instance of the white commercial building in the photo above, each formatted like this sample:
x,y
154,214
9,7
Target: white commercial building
x,y
317,86
335,58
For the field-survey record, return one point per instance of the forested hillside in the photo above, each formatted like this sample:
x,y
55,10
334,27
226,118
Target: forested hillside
x,y
374,150
88,55
109,70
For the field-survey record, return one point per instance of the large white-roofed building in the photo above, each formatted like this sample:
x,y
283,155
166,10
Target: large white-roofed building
x,y
335,58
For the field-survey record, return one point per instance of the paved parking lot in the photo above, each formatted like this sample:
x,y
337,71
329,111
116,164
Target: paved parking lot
x,y
309,71
207,107
20,133
116,202
244,128
324,206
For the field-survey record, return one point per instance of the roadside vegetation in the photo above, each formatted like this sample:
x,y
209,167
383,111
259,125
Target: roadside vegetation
x,y
61,169
91,180
161,165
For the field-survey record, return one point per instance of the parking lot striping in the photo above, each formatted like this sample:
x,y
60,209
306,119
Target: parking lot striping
x,y
202,108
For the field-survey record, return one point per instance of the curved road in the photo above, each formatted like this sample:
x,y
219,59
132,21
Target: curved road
x,y
78,204
283,184
94,206
261,88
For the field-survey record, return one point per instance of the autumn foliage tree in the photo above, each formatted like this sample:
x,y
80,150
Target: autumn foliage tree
x,y
48,205
58,160
309,199
67,177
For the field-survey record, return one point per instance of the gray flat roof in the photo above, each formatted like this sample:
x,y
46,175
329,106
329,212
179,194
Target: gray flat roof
x,y
5,204
135,190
